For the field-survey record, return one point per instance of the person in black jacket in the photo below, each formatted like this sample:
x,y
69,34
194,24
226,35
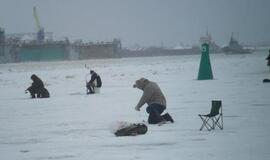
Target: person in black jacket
x,y
37,89
94,84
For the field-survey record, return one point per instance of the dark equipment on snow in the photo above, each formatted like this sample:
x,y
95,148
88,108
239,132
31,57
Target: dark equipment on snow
x,y
266,80
268,59
132,130
215,116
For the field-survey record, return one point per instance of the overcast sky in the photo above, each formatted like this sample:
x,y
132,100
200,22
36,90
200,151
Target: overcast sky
x,y
143,22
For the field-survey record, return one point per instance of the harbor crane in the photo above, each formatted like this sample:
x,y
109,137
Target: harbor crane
x,y
40,30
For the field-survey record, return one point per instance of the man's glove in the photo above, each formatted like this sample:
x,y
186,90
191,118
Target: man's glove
x,y
137,108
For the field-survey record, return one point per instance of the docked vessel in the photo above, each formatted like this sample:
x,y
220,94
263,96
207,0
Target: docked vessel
x,y
40,46
235,48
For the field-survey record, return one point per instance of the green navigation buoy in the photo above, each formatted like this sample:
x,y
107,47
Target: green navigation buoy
x,y
205,70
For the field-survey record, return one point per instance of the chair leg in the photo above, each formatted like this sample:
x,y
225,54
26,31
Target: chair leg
x,y
213,123
221,120
217,123
205,123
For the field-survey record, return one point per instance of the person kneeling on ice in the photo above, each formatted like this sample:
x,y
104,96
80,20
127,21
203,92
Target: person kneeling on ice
x,y
155,99
95,83
37,88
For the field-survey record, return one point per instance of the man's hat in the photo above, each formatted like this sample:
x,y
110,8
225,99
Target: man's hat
x,y
139,82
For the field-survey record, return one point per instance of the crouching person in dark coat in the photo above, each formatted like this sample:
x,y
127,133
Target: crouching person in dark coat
x,y
37,89
95,83
155,99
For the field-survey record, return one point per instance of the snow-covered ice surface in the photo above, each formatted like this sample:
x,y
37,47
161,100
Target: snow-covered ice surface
x,y
73,125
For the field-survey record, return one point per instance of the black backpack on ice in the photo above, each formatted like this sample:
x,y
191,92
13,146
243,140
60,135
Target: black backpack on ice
x,y
132,130
266,80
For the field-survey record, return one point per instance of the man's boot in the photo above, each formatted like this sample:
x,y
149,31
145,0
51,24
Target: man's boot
x,y
167,117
